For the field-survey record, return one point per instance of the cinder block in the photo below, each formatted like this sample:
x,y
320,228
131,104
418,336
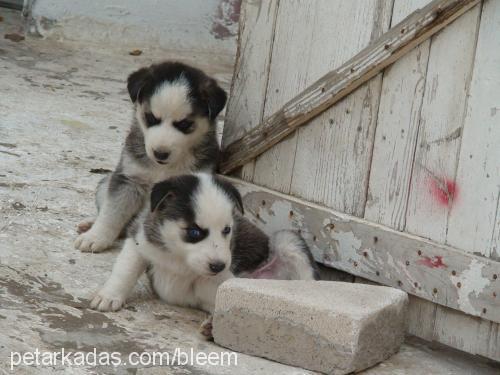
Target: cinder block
x,y
327,326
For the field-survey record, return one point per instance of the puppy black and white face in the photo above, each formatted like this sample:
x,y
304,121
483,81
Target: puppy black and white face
x,y
176,106
192,217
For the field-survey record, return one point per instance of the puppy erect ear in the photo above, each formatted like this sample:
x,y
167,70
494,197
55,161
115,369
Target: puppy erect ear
x,y
231,192
161,192
136,81
214,96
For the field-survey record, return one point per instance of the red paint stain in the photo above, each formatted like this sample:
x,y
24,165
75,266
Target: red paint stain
x,y
434,262
443,190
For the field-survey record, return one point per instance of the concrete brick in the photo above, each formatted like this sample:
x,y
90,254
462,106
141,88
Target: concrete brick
x,y
332,327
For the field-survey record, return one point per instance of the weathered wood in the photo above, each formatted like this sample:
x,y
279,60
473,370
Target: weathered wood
x,y
397,129
245,107
337,84
248,88
394,149
325,34
432,194
333,152
474,222
421,267
474,219
403,90
432,189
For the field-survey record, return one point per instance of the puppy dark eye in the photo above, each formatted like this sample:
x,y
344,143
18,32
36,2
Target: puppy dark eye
x,y
151,120
226,230
185,126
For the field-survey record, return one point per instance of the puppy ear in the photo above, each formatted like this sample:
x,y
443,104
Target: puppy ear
x,y
231,192
214,96
136,81
161,192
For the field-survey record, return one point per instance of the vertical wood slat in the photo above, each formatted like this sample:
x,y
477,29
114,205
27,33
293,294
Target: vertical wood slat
x,y
333,154
441,123
451,59
394,147
474,218
248,89
300,163
474,222
391,171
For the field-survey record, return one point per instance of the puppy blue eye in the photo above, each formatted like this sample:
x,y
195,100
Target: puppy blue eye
x,y
226,230
194,233
151,120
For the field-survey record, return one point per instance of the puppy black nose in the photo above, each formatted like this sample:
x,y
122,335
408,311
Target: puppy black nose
x,y
216,267
161,156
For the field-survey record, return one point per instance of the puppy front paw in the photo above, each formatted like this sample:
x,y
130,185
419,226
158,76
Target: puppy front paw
x,y
92,242
104,302
206,328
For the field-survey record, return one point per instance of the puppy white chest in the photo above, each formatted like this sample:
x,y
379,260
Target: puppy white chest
x,y
173,288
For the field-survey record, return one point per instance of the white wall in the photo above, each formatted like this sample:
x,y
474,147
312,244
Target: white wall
x,y
208,25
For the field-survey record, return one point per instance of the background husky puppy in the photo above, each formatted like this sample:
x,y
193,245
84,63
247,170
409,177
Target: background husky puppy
x,y
173,132
191,238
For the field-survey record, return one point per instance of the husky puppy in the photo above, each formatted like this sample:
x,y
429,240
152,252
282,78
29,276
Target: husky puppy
x,y
173,132
191,238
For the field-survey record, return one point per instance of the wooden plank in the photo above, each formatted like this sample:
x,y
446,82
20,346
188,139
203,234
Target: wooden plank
x,y
474,222
433,187
421,267
467,333
394,149
333,153
324,34
441,119
337,84
248,88
397,129
293,43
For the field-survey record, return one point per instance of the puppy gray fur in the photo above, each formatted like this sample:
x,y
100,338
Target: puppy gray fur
x,y
191,238
172,133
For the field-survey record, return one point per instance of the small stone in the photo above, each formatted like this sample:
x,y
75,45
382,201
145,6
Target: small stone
x,y
18,206
135,52
14,37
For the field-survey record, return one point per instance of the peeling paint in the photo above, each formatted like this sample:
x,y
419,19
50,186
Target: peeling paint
x,y
472,283
414,264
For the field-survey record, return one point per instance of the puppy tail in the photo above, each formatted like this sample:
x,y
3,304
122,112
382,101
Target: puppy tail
x,y
295,258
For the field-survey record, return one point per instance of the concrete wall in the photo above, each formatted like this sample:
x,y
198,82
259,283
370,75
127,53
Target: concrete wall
x,y
198,25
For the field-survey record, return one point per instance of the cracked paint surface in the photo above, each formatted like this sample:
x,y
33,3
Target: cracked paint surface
x,y
381,254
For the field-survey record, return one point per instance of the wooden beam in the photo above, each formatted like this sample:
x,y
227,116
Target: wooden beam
x,y
426,269
334,86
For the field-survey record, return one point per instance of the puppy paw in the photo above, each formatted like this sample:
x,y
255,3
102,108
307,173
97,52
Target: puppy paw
x,y
84,226
92,242
206,328
105,302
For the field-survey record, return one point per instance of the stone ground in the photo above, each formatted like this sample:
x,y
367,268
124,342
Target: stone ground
x,y
64,112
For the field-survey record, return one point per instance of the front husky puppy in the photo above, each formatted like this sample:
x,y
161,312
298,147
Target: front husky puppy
x,y
173,133
192,238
